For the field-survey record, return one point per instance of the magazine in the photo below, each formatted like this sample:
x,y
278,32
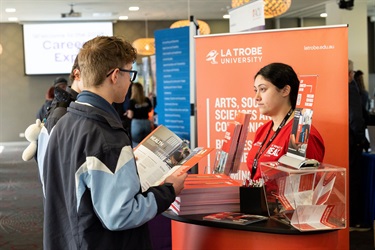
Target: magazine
x,y
235,218
244,119
225,156
229,157
161,153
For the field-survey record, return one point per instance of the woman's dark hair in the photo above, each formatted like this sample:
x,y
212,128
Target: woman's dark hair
x,y
358,78
280,75
50,94
358,73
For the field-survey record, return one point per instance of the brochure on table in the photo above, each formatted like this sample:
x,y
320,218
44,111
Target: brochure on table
x,y
235,218
308,199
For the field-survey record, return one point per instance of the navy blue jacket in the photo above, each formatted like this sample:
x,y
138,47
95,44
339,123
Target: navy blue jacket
x,y
92,189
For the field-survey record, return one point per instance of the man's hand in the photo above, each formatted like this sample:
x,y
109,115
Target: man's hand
x,y
177,179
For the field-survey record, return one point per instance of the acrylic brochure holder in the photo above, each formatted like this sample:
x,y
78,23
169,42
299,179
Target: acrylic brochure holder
x,y
309,199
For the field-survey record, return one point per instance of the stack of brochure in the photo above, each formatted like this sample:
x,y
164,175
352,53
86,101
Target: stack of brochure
x,y
207,193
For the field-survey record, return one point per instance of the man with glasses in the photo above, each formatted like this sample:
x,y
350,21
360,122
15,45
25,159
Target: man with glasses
x,y
132,73
93,198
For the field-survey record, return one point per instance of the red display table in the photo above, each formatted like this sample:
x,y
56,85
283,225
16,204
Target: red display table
x,y
191,232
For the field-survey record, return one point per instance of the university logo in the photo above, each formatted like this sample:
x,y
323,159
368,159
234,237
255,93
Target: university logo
x,y
235,55
211,56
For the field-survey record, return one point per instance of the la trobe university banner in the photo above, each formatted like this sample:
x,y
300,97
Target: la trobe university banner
x,y
225,69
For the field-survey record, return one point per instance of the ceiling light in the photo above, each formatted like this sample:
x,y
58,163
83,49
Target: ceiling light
x,y
272,8
145,46
134,8
10,10
12,19
323,15
204,29
226,16
102,14
123,17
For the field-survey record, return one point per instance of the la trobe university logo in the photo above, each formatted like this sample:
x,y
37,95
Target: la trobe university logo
x,y
235,55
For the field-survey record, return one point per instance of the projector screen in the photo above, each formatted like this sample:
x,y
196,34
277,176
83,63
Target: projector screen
x,y
50,48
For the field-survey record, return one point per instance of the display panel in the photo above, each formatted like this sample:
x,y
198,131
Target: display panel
x,y
50,48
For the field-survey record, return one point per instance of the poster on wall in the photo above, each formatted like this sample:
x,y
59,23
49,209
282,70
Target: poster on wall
x,y
173,80
225,69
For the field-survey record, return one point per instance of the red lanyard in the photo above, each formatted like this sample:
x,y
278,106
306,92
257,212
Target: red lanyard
x,y
259,152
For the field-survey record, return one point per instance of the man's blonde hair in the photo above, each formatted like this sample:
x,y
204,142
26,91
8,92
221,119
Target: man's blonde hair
x,y
102,54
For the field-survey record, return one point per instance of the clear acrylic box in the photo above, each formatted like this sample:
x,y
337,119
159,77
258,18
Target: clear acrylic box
x,y
309,199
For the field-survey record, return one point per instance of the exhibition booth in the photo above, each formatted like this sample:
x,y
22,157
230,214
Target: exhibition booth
x,y
231,61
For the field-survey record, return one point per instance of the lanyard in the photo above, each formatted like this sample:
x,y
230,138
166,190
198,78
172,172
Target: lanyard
x,y
259,152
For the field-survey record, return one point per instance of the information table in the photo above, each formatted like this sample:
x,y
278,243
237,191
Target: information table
x,y
192,232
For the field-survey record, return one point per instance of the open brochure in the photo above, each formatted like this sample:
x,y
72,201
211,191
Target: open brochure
x,y
311,218
161,153
235,218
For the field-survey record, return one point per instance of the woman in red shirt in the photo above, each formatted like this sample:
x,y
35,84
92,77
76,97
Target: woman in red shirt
x,y
276,89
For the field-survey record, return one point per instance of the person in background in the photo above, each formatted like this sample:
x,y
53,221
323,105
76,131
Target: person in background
x,y
93,197
357,140
139,107
154,118
276,89
358,78
122,109
42,112
63,97
59,82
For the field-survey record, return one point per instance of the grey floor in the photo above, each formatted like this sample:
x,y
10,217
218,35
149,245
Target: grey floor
x,y
21,204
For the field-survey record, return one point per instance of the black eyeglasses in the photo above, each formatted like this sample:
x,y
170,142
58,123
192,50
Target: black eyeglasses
x,y
132,73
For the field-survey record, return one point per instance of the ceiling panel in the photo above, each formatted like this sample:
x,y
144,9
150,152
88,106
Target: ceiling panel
x,y
51,10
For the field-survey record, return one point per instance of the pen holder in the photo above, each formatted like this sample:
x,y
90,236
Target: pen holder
x,y
253,201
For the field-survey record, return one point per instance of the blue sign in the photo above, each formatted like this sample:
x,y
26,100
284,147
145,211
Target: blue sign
x,y
173,80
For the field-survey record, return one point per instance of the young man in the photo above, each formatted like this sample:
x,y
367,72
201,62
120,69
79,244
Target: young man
x,y
92,189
